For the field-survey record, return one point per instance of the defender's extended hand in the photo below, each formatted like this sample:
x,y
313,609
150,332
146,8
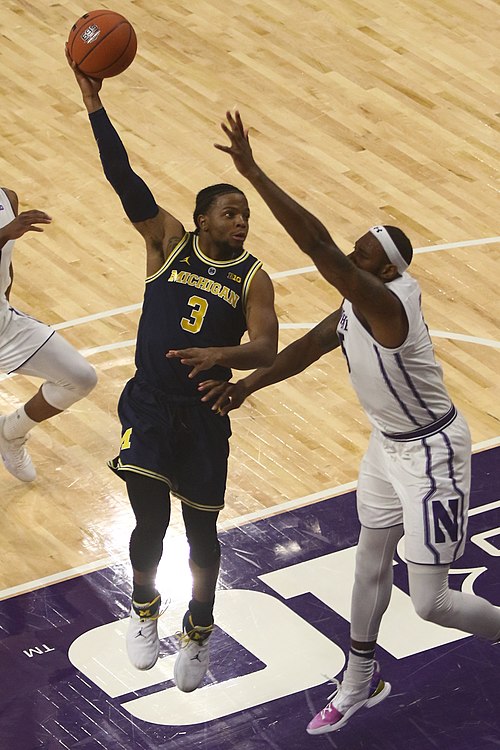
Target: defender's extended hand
x,y
239,149
225,395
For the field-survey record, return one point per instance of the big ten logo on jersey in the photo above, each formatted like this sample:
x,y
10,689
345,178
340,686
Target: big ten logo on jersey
x,y
233,277
259,623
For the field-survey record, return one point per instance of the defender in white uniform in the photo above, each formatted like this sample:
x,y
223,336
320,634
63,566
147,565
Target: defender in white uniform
x,y
32,348
415,476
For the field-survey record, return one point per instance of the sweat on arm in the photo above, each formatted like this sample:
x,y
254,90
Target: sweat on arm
x,y
137,199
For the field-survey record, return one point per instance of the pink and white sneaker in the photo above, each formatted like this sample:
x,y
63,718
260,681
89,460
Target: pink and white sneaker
x,y
339,710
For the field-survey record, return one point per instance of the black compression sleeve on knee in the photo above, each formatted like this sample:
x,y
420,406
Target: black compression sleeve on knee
x,y
137,199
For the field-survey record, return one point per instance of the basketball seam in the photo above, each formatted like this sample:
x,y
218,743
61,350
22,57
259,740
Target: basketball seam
x,y
105,37
124,51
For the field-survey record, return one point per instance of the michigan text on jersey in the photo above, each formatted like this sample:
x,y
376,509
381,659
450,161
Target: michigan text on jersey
x,y
206,285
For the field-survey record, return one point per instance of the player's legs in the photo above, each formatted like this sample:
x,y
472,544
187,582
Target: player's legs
x,y
204,560
150,501
380,513
436,602
68,375
68,378
370,598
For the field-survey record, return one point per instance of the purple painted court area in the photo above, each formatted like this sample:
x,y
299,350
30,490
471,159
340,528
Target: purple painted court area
x,y
443,696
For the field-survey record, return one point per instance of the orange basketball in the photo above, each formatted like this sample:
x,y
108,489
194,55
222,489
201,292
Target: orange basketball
x,y
102,43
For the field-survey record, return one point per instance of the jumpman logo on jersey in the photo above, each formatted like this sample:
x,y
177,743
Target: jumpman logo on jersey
x,y
185,260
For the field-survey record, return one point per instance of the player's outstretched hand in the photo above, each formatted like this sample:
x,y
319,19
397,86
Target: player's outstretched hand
x,y
225,395
90,87
26,221
198,358
239,148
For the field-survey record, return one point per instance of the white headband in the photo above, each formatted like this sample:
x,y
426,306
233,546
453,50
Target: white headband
x,y
390,248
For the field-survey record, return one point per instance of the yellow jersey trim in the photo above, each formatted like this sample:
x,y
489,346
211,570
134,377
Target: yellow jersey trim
x,y
248,280
175,252
198,506
154,475
217,263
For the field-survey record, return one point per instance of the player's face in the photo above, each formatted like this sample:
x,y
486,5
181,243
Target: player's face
x,y
226,221
368,254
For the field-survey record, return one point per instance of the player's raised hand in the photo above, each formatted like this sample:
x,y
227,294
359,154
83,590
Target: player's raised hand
x,y
89,87
239,148
25,222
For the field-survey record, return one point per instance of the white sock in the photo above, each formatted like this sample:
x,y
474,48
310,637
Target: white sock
x,y
17,424
356,681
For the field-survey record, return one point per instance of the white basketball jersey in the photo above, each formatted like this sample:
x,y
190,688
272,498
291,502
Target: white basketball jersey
x,y
6,216
20,335
402,389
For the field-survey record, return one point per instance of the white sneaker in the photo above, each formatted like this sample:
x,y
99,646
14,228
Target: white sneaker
x,y
192,660
16,458
143,644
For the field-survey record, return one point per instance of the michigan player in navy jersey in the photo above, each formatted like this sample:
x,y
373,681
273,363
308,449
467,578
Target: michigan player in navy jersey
x,y
203,291
415,476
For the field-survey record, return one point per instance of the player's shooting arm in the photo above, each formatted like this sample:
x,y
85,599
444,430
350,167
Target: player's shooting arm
x,y
161,230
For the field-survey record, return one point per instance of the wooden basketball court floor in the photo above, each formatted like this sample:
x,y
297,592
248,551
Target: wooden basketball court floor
x,y
367,112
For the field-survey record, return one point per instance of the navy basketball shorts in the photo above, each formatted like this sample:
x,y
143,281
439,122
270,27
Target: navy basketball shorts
x,y
182,443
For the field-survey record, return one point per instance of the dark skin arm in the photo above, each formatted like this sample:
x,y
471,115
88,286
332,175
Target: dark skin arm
x,y
24,222
161,233
373,303
292,360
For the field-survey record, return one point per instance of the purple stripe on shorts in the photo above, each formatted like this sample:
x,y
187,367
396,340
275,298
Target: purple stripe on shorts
x,y
451,471
425,502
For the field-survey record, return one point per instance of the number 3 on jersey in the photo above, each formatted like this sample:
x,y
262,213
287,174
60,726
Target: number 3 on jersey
x,y
195,322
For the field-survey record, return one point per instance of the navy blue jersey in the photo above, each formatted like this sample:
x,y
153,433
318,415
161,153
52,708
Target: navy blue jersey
x,y
192,301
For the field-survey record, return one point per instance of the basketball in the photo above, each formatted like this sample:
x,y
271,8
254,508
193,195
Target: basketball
x,y
102,43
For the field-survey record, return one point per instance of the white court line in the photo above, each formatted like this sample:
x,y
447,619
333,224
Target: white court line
x,y
107,562
278,275
416,251
283,326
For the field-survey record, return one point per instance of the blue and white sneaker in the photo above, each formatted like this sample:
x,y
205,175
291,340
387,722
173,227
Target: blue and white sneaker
x,y
143,643
192,660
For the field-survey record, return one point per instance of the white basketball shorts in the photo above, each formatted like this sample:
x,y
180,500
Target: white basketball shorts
x,y
20,337
423,484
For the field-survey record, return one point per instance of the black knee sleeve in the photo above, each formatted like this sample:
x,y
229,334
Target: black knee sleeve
x,y
150,501
201,533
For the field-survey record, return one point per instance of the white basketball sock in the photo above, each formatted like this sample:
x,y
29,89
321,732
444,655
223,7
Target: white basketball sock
x,y
356,681
17,424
